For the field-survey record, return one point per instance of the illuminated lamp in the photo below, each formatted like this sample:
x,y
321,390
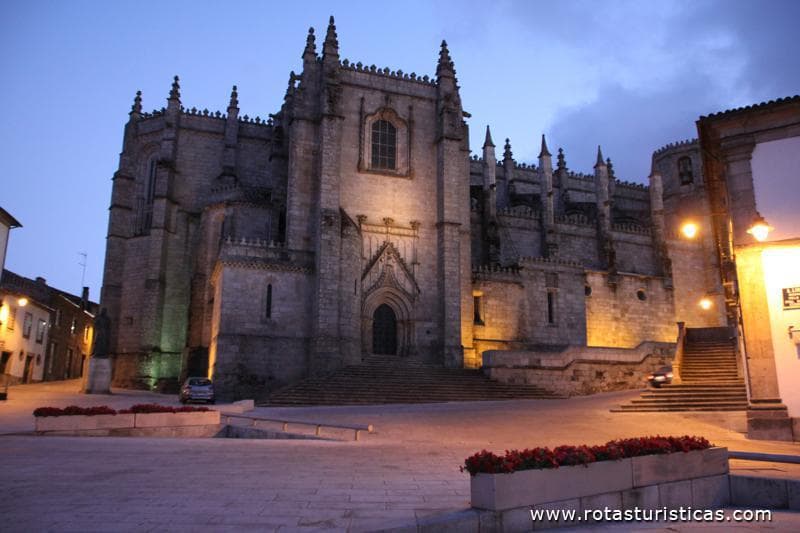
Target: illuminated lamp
x,y
706,303
689,230
22,302
759,229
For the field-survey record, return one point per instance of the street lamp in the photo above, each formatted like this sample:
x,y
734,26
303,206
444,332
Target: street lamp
x,y
759,229
689,230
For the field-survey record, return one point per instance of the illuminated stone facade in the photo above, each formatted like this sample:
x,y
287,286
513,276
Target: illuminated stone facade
x,y
353,221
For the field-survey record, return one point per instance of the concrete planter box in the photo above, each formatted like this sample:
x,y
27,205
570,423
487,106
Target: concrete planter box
x,y
82,422
199,418
527,488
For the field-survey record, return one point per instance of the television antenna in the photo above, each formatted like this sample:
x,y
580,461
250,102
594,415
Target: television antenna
x,y
82,263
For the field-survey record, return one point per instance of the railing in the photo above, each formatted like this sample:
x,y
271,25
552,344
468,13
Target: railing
x,y
678,360
285,422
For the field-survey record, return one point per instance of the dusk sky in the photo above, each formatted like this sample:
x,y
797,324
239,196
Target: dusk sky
x,y
631,76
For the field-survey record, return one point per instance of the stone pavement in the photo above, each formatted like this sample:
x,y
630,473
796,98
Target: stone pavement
x,y
408,469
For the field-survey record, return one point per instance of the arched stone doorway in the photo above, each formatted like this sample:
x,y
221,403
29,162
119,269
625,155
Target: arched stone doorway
x,y
384,331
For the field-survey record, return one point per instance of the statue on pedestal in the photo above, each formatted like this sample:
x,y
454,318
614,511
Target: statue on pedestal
x,y
98,377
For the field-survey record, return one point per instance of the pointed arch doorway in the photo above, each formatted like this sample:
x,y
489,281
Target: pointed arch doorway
x,y
384,331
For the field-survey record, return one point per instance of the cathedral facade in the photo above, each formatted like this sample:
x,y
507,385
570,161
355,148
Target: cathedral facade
x,y
354,222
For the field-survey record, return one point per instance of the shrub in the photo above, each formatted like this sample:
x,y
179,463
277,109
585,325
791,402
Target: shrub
x,y
540,458
73,410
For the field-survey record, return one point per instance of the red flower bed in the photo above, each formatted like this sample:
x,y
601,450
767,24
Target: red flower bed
x,y
142,408
72,410
539,458
105,410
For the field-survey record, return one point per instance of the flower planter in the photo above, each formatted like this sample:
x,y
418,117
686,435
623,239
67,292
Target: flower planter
x,y
526,488
81,422
199,418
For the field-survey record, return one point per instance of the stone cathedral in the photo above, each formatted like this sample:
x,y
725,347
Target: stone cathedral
x,y
354,221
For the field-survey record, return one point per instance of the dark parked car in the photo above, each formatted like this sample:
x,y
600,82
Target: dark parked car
x,y
660,377
197,390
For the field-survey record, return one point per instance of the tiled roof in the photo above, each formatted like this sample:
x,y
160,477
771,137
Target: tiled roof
x,y
762,105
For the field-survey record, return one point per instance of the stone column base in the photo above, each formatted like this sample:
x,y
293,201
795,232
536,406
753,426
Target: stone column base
x,y
768,419
98,377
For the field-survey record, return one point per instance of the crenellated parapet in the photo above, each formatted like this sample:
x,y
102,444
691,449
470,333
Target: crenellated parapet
x,y
686,143
627,227
519,211
386,72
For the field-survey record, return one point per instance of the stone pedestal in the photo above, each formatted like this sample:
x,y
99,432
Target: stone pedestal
x,y
98,376
768,419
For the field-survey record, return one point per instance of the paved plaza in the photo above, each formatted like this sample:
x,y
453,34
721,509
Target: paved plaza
x,y
406,470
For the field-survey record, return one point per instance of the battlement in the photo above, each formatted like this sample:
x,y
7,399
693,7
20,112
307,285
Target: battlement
x,y
686,143
549,261
520,211
388,73
575,219
631,228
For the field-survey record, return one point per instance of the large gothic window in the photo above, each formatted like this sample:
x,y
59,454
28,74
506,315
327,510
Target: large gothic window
x,y
384,145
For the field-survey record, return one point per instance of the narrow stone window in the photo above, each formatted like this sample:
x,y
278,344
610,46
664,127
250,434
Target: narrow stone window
x,y
268,307
384,145
685,170
477,310
551,307
150,190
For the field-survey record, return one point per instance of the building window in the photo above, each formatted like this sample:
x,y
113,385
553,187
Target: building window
x,y
51,357
73,327
384,145
41,327
268,306
12,319
27,325
551,307
150,188
477,310
58,318
685,170
641,295
85,333
587,290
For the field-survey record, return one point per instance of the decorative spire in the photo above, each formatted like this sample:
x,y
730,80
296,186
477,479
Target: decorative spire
x,y
311,45
136,108
610,168
445,66
488,141
562,163
331,46
234,103
175,92
544,152
507,153
600,162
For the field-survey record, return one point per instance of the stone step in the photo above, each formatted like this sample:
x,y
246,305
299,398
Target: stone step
x,y
387,380
675,409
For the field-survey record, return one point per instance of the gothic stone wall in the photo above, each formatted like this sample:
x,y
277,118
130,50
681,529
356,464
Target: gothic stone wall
x,y
616,316
251,351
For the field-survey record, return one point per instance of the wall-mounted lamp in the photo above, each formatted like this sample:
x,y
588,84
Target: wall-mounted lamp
x,y
22,302
690,230
705,303
3,312
759,229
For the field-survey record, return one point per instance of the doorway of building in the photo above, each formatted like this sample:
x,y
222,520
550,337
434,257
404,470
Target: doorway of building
x,y
384,331
27,377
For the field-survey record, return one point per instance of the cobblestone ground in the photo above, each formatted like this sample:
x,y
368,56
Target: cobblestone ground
x,y
407,469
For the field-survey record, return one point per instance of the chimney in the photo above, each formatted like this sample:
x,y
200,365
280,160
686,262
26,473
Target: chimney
x,y
41,281
85,298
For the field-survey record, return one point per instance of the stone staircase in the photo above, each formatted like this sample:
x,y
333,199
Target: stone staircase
x,y
709,380
389,379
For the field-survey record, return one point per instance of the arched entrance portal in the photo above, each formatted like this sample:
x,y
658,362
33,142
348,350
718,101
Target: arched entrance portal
x,y
384,331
